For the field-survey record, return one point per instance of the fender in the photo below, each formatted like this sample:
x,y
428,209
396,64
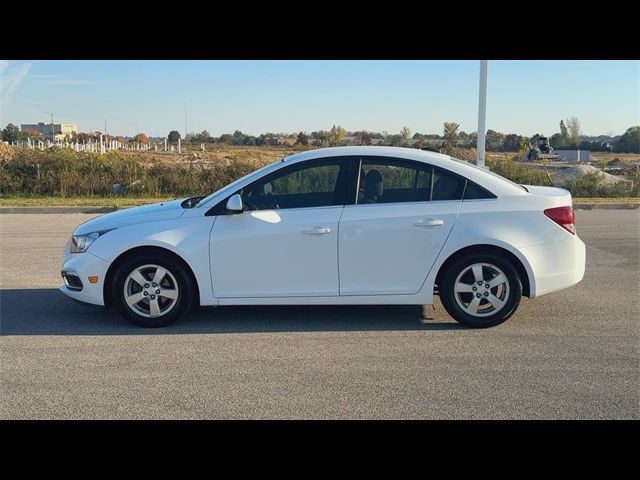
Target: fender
x,y
188,240
452,248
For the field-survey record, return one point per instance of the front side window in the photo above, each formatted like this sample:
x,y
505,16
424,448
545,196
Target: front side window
x,y
387,180
299,186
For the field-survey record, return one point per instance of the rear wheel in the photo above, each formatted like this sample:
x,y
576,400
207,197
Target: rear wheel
x,y
481,290
151,290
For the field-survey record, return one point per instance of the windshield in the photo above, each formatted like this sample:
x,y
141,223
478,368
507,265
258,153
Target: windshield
x,y
231,185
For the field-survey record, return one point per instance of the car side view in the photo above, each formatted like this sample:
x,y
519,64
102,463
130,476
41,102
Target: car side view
x,y
339,226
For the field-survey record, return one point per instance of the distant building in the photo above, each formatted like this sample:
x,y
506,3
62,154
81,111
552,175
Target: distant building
x,y
574,156
57,131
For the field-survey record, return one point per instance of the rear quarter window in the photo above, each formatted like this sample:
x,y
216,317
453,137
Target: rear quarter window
x,y
473,191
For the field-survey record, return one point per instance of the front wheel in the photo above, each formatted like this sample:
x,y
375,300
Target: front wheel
x,y
481,290
151,290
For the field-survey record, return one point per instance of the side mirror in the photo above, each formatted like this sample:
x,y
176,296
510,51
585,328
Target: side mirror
x,y
234,204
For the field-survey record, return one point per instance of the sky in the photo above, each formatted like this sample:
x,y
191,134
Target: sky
x,y
524,97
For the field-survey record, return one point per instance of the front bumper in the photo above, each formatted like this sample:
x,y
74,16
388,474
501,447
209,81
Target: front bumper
x,y
556,265
84,265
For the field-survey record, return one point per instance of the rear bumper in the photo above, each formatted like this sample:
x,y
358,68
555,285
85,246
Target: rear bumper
x,y
556,265
84,265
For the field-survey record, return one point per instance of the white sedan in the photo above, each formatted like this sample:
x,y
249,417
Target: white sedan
x,y
341,226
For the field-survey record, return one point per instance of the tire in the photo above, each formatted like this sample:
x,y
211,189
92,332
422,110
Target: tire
x,y
495,304
134,280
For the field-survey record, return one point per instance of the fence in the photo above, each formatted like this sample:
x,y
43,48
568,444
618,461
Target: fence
x,y
99,146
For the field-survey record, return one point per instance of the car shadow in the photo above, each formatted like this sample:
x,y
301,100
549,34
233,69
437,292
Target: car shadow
x,y
49,312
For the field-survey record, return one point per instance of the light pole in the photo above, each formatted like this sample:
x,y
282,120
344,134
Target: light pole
x,y
482,112
52,132
105,124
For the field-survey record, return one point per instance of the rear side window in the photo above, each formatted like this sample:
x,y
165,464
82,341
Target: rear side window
x,y
447,185
387,180
392,180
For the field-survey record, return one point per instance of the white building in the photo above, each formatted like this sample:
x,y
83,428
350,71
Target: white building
x,y
55,131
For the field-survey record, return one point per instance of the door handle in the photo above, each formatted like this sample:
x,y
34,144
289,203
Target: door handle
x,y
317,231
429,222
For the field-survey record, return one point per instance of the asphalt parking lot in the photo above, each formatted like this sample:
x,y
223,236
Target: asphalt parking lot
x,y
572,354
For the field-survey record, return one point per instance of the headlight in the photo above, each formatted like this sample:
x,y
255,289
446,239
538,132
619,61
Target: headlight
x,y
81,243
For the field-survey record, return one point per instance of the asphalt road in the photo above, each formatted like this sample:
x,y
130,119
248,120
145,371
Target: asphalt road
x,y
573,354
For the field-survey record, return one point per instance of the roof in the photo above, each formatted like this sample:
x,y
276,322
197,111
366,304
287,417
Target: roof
x,y
382,151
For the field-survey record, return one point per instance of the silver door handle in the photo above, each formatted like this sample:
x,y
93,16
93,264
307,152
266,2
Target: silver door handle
x,y
429,222
317,231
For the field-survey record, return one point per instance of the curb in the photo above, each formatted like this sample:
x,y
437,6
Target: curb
x,y
60,210
606,206
66,210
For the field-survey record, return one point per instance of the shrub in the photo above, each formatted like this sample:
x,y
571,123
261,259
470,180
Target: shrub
x,y
518,172
63,172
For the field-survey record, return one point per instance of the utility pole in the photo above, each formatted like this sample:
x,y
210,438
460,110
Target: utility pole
x,y
185,121
105,124
52,131
482,113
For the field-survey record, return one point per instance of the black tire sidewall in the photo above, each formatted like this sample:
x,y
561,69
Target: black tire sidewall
x,y
185,292
447,295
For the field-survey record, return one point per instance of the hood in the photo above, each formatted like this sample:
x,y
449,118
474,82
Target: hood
x,y
132,216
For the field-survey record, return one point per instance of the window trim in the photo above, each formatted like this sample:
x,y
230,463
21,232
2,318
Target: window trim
x,y
343,163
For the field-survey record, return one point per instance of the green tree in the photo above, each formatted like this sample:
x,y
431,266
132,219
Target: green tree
x,y
513,142
564,133
11,133
555,140
405,133
494,140
225,138
629,142
173,136
450,130
238,137
302,139
202,137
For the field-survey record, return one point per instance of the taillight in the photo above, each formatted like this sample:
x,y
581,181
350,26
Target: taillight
x,y
564,217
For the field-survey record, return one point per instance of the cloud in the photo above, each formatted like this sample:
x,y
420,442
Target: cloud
x,y
68,82
45,76
10,78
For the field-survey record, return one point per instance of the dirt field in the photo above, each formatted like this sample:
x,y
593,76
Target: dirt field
x,y
625,157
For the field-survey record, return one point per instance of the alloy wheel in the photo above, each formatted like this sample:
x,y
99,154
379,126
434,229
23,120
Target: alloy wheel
x,y
151,291
481,289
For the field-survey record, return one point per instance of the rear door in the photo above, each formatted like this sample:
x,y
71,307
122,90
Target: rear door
x,y
390,238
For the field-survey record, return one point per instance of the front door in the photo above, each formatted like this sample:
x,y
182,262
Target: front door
x,y
285,243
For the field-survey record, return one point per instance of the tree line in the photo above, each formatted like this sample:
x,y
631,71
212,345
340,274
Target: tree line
x,y
569,137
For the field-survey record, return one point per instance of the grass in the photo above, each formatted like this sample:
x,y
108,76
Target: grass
x,y
123,202
634,200
117,202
